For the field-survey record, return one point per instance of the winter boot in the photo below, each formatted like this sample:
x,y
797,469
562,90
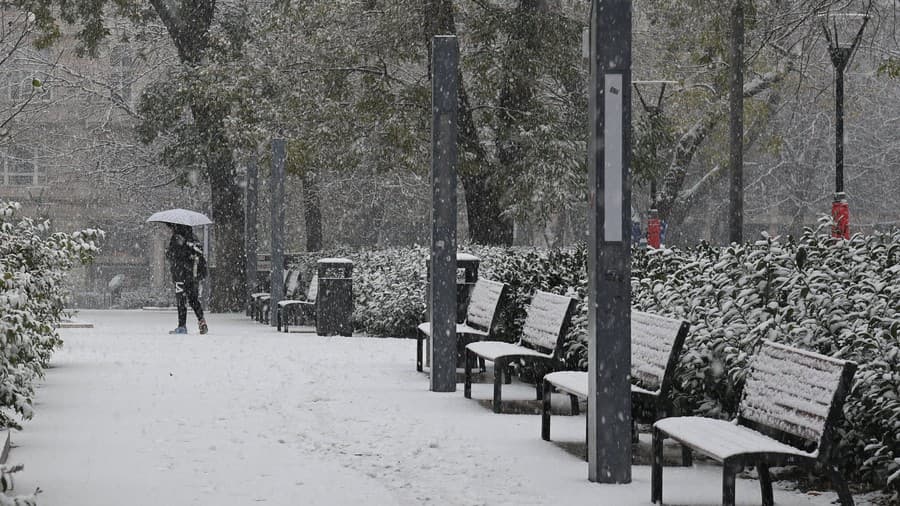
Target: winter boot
x,y
179,330
203,328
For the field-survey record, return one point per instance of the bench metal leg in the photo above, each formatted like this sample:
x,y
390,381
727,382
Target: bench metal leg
x,y
656,469
419,339
765,484
587,435
840,485
278,314
540,370
687,456
729,476
499,367
545,410
467,385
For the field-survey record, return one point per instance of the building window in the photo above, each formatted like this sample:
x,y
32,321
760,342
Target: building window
x,y
19,168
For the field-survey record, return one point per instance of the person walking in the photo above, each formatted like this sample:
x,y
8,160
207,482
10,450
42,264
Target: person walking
x,y
188,267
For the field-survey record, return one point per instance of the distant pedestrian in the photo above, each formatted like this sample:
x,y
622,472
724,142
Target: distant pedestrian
x,y
188,267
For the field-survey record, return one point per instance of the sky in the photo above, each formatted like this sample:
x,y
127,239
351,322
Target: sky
x,y
130,415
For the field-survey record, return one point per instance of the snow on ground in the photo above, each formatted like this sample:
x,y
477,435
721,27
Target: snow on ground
x,y
130,415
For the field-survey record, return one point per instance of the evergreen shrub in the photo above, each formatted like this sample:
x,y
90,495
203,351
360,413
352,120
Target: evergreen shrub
x,y
840,298
33,265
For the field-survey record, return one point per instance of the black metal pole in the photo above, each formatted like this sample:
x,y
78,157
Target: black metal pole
x,y
444,108
736,127
277,188
609,232
251,242
839,129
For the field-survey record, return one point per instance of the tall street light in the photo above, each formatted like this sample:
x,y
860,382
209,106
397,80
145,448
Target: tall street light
x,y
653,111
841,51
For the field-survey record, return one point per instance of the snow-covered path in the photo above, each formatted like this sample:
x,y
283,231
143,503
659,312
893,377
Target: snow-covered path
x,y
130,415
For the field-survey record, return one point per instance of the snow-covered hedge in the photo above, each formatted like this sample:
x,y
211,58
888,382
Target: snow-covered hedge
x,y
33,264
840,298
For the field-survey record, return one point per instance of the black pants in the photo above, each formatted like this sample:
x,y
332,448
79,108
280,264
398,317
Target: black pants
x,y
186,293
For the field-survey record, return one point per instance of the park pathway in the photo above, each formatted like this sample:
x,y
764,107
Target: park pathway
x,y
132,416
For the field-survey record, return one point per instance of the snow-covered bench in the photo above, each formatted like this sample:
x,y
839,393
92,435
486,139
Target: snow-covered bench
x,y
481,315
546,324
791,402
259,301
656,343
288,309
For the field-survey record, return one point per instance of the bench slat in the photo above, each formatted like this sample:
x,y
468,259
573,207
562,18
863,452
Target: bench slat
x,y
791,391
652,342
545,318
483,303
721,439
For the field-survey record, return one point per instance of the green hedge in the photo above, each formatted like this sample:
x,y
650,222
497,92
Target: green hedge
x,y
840,298
33,267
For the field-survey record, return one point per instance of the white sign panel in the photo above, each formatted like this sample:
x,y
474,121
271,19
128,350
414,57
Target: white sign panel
x,y
612,157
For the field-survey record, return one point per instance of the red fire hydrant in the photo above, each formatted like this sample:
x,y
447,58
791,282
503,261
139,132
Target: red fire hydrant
x,y
653,230
840,213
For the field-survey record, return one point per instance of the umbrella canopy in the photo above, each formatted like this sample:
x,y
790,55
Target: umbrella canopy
x,y
180,217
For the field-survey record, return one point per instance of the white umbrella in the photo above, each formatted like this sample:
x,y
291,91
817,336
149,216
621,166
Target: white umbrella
x,y
180,217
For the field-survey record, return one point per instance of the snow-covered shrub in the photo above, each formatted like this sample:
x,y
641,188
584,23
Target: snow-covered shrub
x,y
389,291
33,264
839,298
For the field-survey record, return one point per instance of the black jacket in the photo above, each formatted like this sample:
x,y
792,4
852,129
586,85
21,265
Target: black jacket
x,y
184,252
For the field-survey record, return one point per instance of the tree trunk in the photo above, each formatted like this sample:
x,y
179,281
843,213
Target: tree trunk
x,y
312,212
484,193
188,24
229,283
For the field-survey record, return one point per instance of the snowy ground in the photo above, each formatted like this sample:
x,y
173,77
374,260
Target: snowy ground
x,y
130,415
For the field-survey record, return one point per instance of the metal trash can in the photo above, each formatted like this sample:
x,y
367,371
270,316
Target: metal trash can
x,y
334,300
466,276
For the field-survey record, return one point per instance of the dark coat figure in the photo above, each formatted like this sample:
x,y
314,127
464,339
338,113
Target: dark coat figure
x,y
188,267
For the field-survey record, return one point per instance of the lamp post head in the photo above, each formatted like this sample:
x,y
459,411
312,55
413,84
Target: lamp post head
x,y
843,31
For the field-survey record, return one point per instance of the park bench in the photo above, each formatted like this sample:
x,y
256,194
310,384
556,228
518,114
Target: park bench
x,y
787,414
547,319
260,301
255,302
481,316
656,343
298,309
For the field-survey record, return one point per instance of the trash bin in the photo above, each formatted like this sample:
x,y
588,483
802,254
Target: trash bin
x,y
466,276
334,300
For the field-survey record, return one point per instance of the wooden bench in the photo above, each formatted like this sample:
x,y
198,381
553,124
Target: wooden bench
x,y
656,343
481,316
259,302
288,308
791,402
547,320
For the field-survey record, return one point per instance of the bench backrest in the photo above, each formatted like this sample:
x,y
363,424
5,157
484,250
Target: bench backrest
x,y
291,283
484,303
795,396
547,320
313,288
656,343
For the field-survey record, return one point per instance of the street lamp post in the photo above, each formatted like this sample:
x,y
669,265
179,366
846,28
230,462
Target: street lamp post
x,y
841,52
653,110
